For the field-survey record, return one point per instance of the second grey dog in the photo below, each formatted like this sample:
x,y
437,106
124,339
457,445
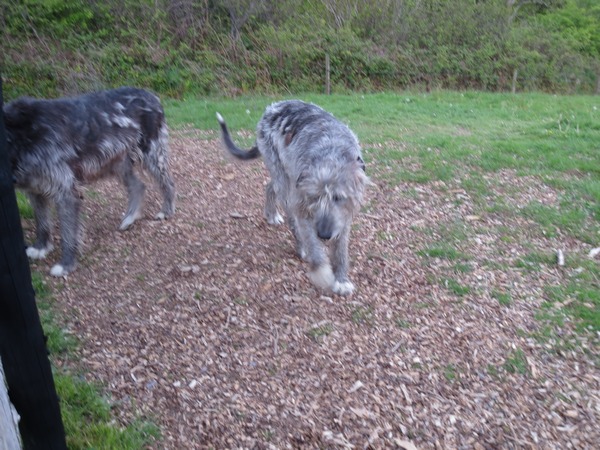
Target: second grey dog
x,y
55,146
317,177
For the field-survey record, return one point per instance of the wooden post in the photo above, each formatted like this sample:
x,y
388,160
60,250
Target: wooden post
x,y
22,345
514,81
327,75
9,418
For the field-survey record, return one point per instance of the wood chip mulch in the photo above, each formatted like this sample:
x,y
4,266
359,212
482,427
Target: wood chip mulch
x,y
207,324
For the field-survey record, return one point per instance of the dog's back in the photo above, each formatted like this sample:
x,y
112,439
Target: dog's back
x,y
82,132
299,135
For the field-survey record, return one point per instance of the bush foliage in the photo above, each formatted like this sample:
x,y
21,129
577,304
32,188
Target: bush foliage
x,y
192,47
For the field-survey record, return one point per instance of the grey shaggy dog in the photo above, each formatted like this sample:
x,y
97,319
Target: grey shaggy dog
x,y
317,177
56,146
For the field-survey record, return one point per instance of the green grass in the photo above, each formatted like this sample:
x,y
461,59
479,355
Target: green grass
x,y
580,295
402,324
445,131
441,251
574,219
535,261
455,287
24,206
362,315
319,332
86,413
88,421
516,363
504,298
58,342
462,268
450,372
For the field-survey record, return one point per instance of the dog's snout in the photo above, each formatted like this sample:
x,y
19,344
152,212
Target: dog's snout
x,y
325,235
324,229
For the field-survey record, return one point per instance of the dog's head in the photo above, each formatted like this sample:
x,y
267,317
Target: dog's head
x,y
331,194
19,119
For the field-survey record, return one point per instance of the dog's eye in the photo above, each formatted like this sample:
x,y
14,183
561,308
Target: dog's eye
x,y
338,199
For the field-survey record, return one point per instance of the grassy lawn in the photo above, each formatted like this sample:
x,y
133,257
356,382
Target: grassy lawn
x,y
460,138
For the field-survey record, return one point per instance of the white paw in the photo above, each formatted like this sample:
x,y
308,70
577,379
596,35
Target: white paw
x,y
277,219
160,216
343,288
127,222
302,254
322,277
39,253
58,271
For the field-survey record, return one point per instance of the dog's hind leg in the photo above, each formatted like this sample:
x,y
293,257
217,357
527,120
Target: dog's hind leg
x,y
135,193
68,205
157,163
43,226
339,261
271,214
167,187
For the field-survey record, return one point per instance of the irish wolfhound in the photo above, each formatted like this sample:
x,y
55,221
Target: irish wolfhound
x,y
55,146
317,177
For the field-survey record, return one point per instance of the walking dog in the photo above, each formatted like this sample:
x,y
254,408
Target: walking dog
x,y
56,146
317,177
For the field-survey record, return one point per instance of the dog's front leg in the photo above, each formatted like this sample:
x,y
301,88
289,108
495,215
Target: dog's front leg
x,y
293,226
320,273
340,263
43,226
67,205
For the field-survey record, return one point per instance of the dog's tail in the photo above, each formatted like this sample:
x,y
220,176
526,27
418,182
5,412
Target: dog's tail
x,y
234,149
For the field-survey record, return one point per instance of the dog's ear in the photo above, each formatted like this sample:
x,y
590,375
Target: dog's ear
x,y
359,175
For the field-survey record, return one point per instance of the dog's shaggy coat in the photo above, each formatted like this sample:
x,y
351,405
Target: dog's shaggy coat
x,y
55,146
317,177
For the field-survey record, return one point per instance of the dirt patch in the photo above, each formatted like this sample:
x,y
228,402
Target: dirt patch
x,y
207,322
